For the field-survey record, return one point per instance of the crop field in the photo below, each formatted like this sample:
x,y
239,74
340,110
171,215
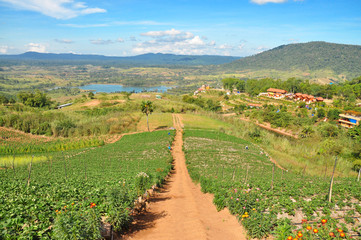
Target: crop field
x,y
73,194
266,199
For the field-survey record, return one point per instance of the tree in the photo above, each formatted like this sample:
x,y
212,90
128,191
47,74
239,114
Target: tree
x,y
91,95
37,99
147,108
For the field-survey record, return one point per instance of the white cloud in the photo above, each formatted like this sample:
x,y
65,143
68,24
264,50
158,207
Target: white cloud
x,y
241,46
4,49
101,41
176,42
195,41
60,9
183,42
268,1
66,41
171,32
36,47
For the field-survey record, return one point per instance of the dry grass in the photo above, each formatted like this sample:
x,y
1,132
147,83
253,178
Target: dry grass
x,y
201,122
156,121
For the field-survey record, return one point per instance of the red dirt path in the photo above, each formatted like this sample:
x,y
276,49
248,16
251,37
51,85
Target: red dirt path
x,y
181,211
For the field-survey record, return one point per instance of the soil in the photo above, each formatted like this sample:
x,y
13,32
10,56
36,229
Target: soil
x,y
180,210
268,127
92,103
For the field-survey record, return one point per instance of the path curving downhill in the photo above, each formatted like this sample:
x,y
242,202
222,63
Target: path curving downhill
x,y
181,211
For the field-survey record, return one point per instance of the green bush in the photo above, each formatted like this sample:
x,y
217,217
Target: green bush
x,y
142,182
75,223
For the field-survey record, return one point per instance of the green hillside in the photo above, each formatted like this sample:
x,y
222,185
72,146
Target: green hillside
x,y
336,61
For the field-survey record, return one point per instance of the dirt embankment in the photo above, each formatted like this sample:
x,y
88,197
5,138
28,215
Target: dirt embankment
x,y
268,127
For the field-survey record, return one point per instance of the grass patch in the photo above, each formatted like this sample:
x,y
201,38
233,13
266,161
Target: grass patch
x,y
156,121
192,121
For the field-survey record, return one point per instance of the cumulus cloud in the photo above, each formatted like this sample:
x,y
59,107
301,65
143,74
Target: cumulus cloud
x,y
36,47
4,49
183,42
66,41
178,42
59,9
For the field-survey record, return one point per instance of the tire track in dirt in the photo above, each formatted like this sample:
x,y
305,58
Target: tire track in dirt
x,y
181,211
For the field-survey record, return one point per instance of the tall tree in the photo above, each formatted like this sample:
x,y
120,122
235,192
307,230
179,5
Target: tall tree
x,y
147,108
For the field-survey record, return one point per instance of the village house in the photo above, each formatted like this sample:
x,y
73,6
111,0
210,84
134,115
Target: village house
x,y
203,88
307,98
349,120
276,93
319,99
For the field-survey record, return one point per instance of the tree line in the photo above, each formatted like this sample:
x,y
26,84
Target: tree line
x,y
350,90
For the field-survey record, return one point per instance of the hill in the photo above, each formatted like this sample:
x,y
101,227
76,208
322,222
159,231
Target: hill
x,y
312,60
144,59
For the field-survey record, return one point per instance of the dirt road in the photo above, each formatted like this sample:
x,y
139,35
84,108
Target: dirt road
x,y
181,211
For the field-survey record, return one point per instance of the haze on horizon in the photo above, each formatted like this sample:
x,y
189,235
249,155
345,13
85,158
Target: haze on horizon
x,y
191,27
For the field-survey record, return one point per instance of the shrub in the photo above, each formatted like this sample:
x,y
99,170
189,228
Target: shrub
x,y
120,202
142,182
75,223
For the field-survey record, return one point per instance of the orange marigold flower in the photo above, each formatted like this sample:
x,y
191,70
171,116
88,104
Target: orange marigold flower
x,y
299,235
324,221
92,205
290,238
339,230
72,204
308,227
342,235
332,234
315,230
304,220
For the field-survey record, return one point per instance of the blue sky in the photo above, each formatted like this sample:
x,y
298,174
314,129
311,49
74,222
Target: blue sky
x,y
212,27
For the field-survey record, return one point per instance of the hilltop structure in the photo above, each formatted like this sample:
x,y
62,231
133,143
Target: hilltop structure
x,y
350,119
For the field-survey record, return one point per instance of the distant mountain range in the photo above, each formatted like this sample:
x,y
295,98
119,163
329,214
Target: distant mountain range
x,y
321,61
144,59
334,60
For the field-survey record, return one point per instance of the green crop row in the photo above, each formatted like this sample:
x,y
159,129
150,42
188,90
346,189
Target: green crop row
x,y
67,196
263,196
45,147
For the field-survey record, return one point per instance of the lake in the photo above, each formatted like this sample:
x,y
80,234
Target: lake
x,y
111,88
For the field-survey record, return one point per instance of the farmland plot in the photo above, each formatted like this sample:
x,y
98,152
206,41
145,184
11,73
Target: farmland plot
x,y
66,196
267,199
